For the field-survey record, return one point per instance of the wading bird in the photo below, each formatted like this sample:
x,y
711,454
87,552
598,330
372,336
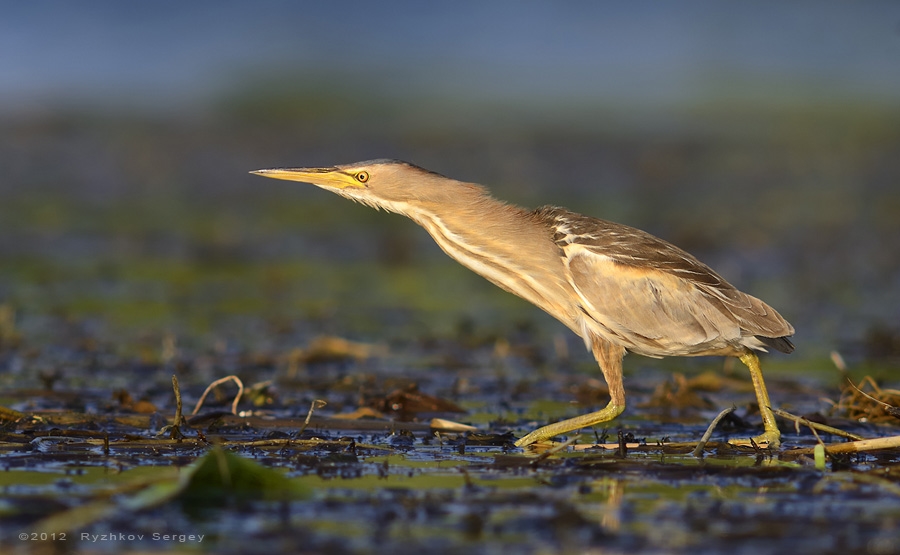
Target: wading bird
x,y
619,288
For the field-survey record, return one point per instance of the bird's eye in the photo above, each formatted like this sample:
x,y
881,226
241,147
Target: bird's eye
x,y
362,177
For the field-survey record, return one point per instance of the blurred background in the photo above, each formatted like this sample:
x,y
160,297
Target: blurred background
x,y
764,138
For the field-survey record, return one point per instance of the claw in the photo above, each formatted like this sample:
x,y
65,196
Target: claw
x,y
766,440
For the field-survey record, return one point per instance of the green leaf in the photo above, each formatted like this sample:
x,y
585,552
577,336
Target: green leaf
x,y
222,474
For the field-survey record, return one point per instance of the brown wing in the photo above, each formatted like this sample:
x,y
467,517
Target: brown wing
x,y
650,291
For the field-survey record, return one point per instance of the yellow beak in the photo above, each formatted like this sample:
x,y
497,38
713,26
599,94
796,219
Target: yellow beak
x,y
332,178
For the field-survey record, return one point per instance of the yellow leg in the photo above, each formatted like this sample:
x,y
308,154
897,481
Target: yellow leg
x,y
771,437
611,411
609,357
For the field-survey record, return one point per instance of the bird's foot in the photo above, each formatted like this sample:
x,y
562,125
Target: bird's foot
x,y
770,439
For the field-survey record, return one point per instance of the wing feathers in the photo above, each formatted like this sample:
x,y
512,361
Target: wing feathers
x,y
654,297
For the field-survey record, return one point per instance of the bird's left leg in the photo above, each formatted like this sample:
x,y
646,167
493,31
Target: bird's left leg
x,y
609,357
771,437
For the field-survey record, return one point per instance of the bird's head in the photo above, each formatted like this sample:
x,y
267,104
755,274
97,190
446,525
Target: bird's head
x,y
386,184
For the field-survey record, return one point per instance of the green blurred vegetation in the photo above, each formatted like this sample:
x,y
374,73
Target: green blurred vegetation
x,y
151,222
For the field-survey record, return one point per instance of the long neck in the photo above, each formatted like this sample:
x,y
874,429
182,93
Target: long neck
x,y
501,243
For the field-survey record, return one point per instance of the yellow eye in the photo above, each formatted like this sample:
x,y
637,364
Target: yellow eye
x,y
362,177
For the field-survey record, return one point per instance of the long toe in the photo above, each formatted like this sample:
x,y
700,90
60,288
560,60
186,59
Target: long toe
x,y
767,440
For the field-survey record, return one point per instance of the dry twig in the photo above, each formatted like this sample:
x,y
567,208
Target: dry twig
x,y
816,426
708,434
216,383
862,446
317,404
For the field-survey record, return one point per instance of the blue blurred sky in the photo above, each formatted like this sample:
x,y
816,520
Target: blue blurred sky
x,y
180,54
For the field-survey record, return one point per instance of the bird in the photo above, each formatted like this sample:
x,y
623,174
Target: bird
x,y
621,289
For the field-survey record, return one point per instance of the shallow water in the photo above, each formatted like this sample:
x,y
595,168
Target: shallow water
x,y
81,465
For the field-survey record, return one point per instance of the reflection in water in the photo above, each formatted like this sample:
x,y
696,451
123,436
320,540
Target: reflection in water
x,y
611,517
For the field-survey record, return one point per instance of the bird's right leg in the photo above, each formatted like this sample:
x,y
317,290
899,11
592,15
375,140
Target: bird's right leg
x,y
771,437
609,357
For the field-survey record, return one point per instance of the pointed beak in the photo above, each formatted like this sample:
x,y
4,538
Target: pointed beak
x,y
329,178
